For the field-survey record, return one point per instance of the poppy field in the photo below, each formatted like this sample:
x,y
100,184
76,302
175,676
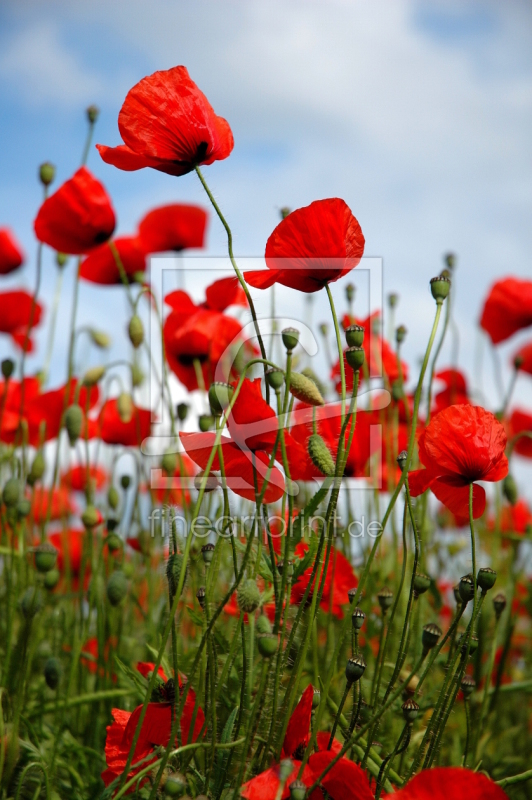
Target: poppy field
x,y
240,570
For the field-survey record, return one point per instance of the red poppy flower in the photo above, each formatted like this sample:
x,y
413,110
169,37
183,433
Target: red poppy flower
x,y
11,256
507,309
77,217
223,293
69,543
45,411
167,123
100,266
461,445
110,428
170,489
199,334
15,313
76,478
454,391
440,783
523,358
174,227
520,422
338,580
266,785
297,732
10,400
345,781
146,667
311,247
62,505
516,520
89,654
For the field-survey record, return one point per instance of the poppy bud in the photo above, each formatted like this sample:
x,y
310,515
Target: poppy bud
x,y
430,636
358,618
124,406
393,299
173,572
354,335
466,588
175,785
468,685
37,468
267,644
53,672
302,388
402,458
207,551
61,259
211,483
284,212
298,790
125,482
499,604
509,489
450,260
23,508
220,395
113,497
286,767
320,455
486,578
100,338
385,598
248,596
8,368
324,329
182,411
114,543
93,375
136,331
275,378
92,114
350,292
397,391
206,422
11,493
400,334
73,423
410,710
31,602
263,624
116,588
137,376
473,644
354,669
421,583
46,173
200,596
91,517
169,462
440,288
316,698
45,557
290,337
355,357
309,373
51,579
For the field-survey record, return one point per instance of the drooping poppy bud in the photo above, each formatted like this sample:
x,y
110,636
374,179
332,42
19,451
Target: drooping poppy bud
x,y
93,376
125,407
267,644
73,423
53,672
136,331
46,173
302,388
11,492
320,455
173,572
248,596
116,588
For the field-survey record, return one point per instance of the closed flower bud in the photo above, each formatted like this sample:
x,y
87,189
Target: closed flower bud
x,y
468,685
125,482
114,543
175,784
51,579
61,259
46,173
385,598
350,292
73,423
211,482
421,583
290,337
355,357
201,595
135,331
100,339
499,604
354,669
205,422
440,288
207,551
450,260
302,388
45,557
286,767
263,624
357,618
486,578
116,588
298,790
169,462
316,699
182,411
31,602
92,114
400,334
248,596
137,376
220,395
11,493
320,455
8,368
91,517
53,672
466,587
309,373
23,508
275,378
510,491
324,329
410,710
354,335
402,458
393,299
430,636
93,375
267,644
124,406
37,468
173,572
113,497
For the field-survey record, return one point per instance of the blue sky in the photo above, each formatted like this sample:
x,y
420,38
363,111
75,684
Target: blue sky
x,y
418,114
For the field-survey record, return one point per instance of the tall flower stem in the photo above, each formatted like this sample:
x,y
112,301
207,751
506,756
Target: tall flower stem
x,y
338,345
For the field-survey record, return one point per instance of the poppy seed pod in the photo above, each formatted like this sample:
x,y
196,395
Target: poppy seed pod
x,y
136,331
207,551
51,579
355,668
220,395
284,212
393,299
402,458
125,407
211,482
31,602
73,423
357,618
350,292
400,334
466,587
421,583
53,672
91,517
173,572
290,337
201,595
302,388
45,557
351,594
440,288
410,710
355,357
11,492
509,489
468,685
93,113
248,596
205,422
169,462
93,376
116,588
113,542
267,644
298,790
182,411
385,598
263,624
37,468
430,636
175,784
499,604
354,335
275,378
486,578
473,644
320,455
8,368
46,173
450,260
